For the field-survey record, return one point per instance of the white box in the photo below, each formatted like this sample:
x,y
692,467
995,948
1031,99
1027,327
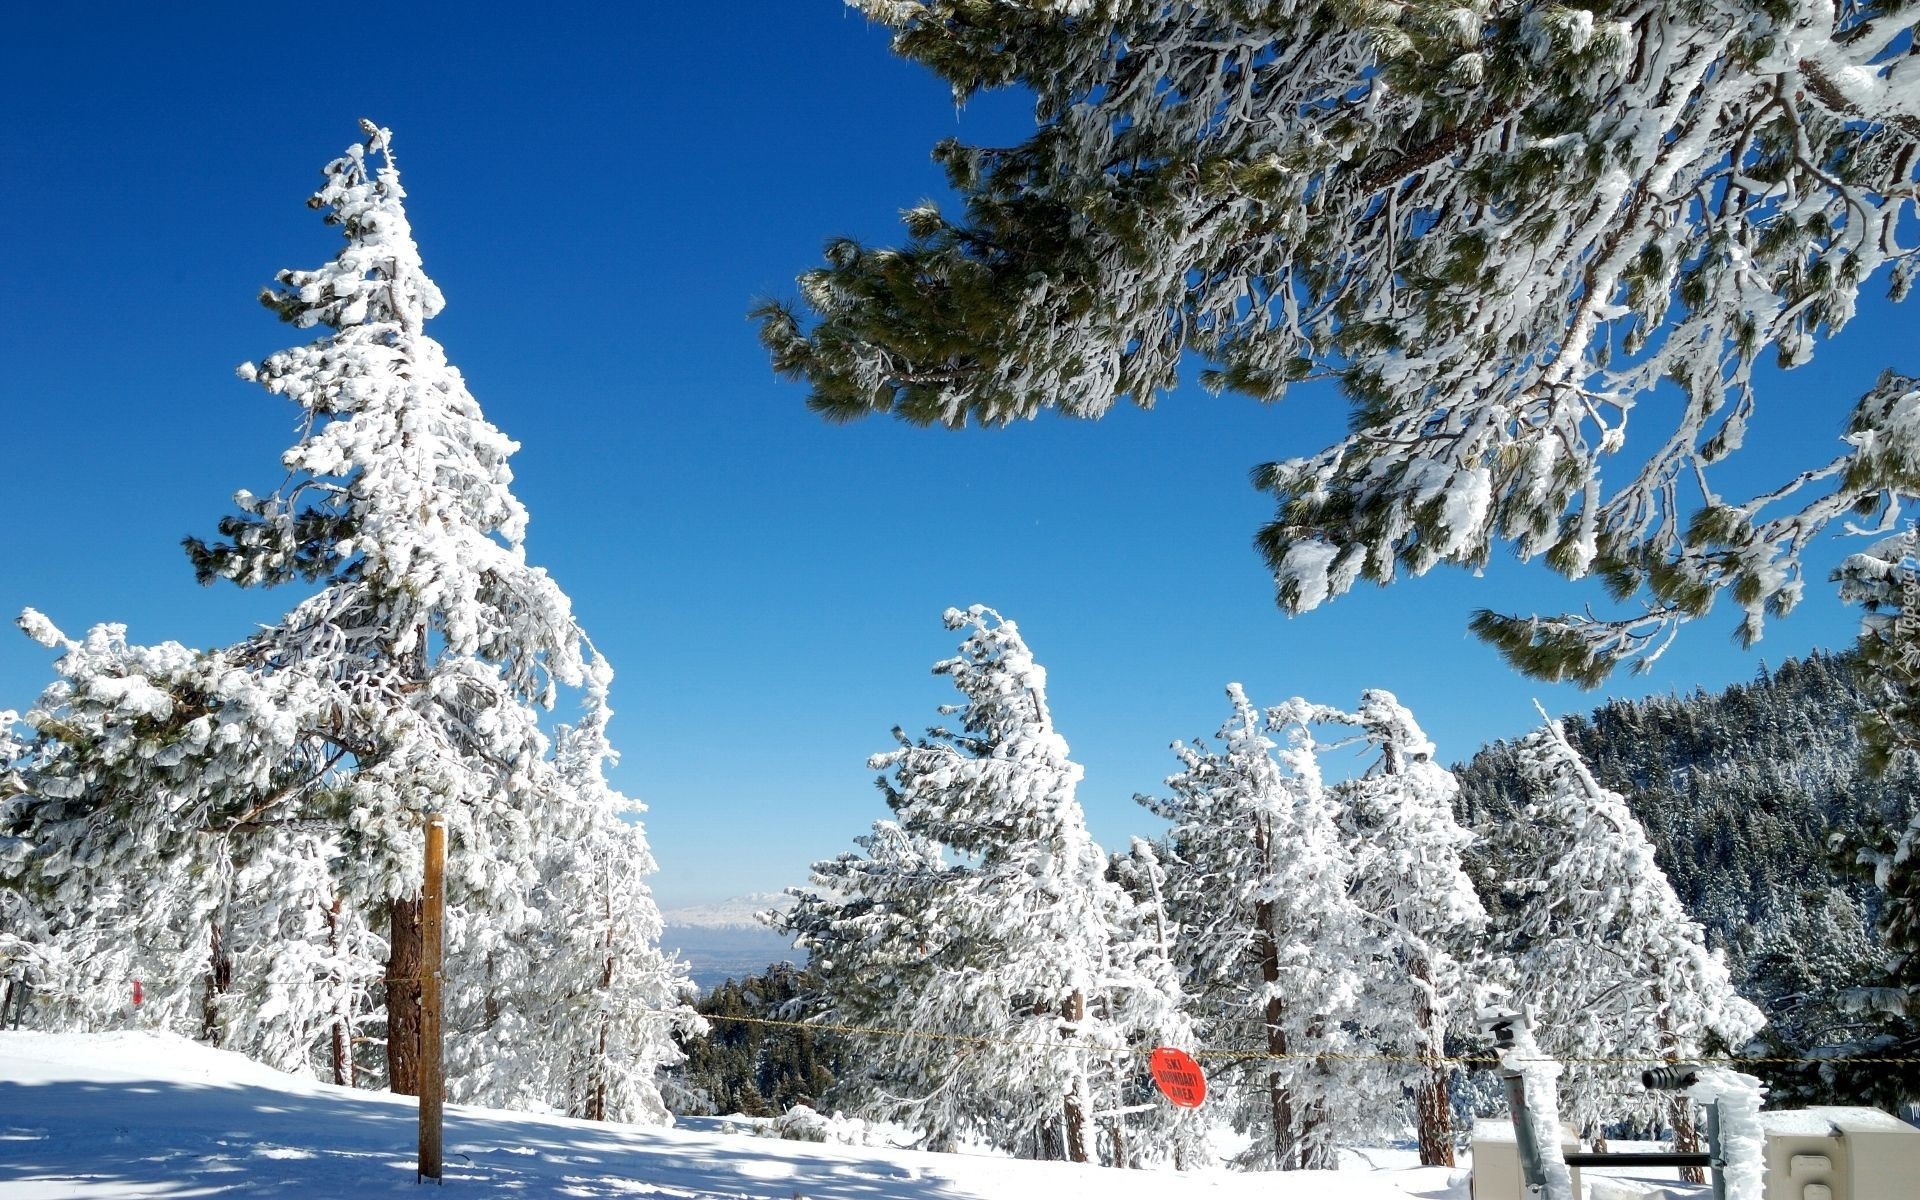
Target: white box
x,y
1839,1153
1496,1161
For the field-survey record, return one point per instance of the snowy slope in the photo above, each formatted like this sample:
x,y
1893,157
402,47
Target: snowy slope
x,y
149,1115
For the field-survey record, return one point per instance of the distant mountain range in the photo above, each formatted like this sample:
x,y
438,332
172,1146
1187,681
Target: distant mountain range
x,y
739,912
725,941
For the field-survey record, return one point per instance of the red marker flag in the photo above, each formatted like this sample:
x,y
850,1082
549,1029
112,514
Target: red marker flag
x,y
1177,1075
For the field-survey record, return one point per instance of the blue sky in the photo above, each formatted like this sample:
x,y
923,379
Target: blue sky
x,y
602,194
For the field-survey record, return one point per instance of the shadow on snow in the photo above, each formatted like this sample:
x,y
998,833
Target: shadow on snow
x,y
165,1138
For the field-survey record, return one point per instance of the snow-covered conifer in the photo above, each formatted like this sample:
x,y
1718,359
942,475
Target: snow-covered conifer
x,y
1420,905
1505,227
606,993
872,939
1606,958
1146,932
264,802
25,950
1803,960
1020,1008
152,771
1259,882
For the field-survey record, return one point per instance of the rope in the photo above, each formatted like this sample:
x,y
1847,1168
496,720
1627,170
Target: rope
x,y
978,1040
1263,1056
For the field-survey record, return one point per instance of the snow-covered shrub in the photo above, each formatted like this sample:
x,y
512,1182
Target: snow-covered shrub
x,y
803,1124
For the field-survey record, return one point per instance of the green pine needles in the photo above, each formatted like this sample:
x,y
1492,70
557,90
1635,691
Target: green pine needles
x,y
1502,226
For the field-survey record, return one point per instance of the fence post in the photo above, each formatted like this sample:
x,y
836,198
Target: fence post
x,y
433,907
1716,1150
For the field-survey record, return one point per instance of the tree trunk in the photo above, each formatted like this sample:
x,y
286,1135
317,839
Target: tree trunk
x,y
1316,1151
1116,1132
597,1070
1286,1144
1432,1112
342,1051
219,983
1047,1141
1279,1100
1076,1129
342,1013
1686,1137
403,996
1076,1012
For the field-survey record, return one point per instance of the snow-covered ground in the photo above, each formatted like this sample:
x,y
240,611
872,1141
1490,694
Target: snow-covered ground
x,y
129,1115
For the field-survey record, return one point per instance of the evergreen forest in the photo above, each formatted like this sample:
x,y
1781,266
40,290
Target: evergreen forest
x,y
1754,799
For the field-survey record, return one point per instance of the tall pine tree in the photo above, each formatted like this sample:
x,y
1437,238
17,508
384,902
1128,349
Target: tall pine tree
x,y
1409,879
267,799
1259,884
1022,994
1613,969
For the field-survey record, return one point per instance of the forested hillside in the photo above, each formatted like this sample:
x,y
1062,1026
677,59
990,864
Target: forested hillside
x,y
1740,791
743,1066
1746,795
1743,795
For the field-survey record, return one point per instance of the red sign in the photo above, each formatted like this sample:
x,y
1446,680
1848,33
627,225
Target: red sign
x,y
138,996
1178,1076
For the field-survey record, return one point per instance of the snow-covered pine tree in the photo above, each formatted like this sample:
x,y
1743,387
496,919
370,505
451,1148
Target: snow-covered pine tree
x,y
24,946
152,769
1272,941
431,619
872,942
1420,904
1503,226
612,1001
1806,959
302,761
1741,792
1006,971
1175,1134
1605,957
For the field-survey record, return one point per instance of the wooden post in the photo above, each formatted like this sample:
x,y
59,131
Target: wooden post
x,y
433,907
